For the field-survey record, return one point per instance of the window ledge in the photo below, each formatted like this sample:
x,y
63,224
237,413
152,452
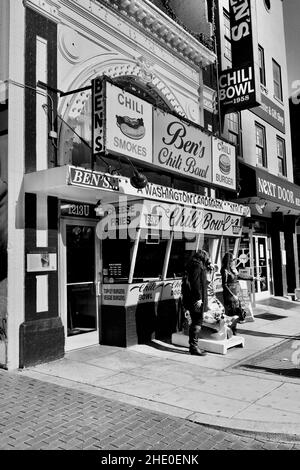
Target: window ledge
x,y
278,100
282,176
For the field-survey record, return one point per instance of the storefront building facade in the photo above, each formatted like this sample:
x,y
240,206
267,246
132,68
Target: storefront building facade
x,y
262,134
99,94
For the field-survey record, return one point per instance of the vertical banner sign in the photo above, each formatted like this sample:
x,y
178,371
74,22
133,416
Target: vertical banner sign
x,y
239,86
97,115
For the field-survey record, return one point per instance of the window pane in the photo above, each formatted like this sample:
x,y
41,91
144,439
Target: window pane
x,y
259,155
261,59
279,148
277,80
233,138
280,166
259,136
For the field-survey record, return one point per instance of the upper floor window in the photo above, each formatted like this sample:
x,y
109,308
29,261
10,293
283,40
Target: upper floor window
x,y
261,150
227,37
277,80
234,131
262,69
281,156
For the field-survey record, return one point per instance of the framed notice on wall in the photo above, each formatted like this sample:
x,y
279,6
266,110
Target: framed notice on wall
x,y
39,262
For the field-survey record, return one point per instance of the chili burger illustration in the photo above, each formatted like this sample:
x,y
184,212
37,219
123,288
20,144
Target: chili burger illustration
x,y
131,127
224,164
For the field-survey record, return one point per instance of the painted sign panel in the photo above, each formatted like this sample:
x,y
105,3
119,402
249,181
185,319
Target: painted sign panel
x,y
97,115
92,179
128,124
278,190
98,180
271,113
151,216
239,86
181,148
224,164
237,89
140,293
242,31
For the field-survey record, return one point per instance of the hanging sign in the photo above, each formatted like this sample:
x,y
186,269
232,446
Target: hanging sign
x,y
224,164
181,147
239,86
128,124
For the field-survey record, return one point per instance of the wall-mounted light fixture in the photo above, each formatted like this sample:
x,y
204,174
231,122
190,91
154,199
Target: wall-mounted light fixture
x,y
138,180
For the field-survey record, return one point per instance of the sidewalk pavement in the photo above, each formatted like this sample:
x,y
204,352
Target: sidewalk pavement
x,y
210,390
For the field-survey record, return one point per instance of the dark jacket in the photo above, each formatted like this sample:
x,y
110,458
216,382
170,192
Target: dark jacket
x,y
197,275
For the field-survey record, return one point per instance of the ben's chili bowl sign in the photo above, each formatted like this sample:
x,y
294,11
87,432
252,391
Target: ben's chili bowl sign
x,y
181,147
152,217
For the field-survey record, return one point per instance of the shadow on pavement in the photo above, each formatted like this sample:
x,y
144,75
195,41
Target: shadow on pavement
x,y
284,304
267,335
166,347
294,372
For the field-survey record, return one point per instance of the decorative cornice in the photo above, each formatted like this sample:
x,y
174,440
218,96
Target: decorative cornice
x,y
146,17
49,8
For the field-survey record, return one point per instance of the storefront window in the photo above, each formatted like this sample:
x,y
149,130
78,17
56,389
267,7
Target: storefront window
x,y
116,260
178,258
150,259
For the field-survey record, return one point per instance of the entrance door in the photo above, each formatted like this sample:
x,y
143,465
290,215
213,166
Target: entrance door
x,y
261,267
80,284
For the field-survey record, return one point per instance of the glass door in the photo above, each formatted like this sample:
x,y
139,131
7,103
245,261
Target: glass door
x,y
80,283
261,267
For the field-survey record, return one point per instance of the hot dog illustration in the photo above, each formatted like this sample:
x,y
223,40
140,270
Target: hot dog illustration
x,y
131,127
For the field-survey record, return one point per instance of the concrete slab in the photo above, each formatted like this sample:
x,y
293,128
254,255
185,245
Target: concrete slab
x,y
133,385
269,415
211,361
91,352
284,398
74,370
124,360
172,372
245,388
203,402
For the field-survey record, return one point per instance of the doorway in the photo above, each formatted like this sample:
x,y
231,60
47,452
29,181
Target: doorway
x,y
261,252
80,283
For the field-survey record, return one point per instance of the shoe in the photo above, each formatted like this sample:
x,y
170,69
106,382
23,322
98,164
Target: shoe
x,y
198,352
242,321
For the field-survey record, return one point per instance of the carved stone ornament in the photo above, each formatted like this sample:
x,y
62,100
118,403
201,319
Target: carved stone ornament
x,y
68,43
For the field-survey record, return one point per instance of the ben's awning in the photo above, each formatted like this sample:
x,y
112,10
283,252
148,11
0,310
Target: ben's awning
x,y
80,184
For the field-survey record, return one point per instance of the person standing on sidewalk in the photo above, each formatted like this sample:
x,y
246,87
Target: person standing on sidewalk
x,y
197,302
231,287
